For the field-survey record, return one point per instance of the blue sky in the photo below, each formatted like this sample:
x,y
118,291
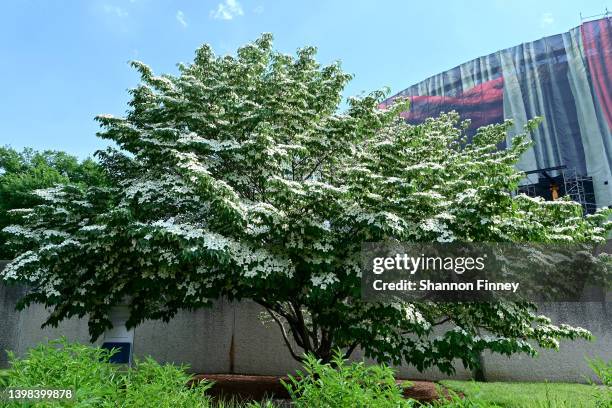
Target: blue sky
x,y
62,62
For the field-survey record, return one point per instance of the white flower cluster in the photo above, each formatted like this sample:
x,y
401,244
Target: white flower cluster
x,y
93,227
18,266
258,262
149,191
19,230
52,194
323,281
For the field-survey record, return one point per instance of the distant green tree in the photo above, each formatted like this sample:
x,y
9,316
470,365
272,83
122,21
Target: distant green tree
x,y
21,173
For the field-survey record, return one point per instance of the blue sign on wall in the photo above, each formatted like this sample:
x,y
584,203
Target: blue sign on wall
x,y
123,356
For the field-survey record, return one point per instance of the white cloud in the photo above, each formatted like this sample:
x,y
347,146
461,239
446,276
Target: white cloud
x,y
547,19
116,10
180,17
227,10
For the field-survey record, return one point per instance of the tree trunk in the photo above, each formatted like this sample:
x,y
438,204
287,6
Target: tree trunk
x,y
300,337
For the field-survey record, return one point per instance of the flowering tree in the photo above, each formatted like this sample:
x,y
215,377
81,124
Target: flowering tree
x,y
22,172
238,178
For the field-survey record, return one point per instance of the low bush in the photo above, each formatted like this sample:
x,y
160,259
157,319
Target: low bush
x,y
150,384
62,365
602,369
99,383
603,392
3,378
343,385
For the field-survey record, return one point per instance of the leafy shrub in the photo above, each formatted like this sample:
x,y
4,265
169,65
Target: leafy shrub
x,y
150,384
3,378
62,365
603,371
99,383
341,385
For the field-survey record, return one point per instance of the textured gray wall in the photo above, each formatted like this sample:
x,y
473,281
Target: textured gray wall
x,y
9,319
230,338
569,363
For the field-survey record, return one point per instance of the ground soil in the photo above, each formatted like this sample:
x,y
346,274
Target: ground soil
x,y
258,387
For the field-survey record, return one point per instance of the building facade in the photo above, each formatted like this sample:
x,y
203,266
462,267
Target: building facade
x,y
566,79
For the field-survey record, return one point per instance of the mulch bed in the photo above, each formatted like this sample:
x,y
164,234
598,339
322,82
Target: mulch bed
x,y
259,387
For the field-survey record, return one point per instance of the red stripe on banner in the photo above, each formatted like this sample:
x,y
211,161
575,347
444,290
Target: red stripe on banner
x,y
483,104
597,44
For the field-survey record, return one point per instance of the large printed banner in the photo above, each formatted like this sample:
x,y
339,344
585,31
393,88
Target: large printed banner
x,y
566,79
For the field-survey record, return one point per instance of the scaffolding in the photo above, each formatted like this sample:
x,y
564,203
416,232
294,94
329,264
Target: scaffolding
x,y
605,14
572,182
527,189
574,187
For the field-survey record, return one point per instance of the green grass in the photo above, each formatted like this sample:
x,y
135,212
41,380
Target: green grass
x,y
515,395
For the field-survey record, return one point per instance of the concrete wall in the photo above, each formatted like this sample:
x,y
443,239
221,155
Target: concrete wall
x,y
9,321
230,338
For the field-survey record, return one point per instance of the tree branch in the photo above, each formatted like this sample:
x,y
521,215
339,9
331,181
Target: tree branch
x,y
350,350
447,319
285,337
